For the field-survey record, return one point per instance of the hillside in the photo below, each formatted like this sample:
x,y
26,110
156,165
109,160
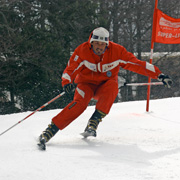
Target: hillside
x,y
131,145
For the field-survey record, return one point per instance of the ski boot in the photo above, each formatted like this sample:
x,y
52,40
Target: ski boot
x,y
50,131
93,123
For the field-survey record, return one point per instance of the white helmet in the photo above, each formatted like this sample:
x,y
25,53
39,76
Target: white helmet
x,y
100,34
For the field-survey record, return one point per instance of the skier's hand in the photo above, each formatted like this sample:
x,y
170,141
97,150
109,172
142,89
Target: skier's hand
x,y
166,80
68,88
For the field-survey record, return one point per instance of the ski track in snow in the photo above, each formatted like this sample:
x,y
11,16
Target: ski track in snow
x,y
131,144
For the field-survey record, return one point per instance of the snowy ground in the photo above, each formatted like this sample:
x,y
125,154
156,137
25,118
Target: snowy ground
x,y
131,145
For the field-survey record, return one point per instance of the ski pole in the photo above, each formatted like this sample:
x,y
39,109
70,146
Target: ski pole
x,y
143,84
34,112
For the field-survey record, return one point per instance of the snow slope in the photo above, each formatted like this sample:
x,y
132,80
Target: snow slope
x,y
131,145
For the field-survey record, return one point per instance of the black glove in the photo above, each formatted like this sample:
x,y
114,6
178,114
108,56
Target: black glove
x,y
68,88
166,80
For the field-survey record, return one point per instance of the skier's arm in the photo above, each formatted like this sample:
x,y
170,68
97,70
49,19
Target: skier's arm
x,y
141,67
144,68
72,69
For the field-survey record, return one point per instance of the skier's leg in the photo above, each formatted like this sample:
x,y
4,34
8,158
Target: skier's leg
x,y
83,95
105,95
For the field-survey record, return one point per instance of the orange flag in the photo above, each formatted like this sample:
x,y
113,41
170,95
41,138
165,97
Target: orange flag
x,y
166,29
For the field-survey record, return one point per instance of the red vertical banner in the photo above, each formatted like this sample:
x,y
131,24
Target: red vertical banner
x,y
167,29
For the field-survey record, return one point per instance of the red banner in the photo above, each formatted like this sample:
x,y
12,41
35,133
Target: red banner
x,y
166,29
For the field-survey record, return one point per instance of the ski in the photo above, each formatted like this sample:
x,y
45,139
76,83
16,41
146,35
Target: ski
x,y
87,134
41,145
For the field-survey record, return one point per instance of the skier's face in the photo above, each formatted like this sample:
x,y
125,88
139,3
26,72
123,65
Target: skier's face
x,y
98,47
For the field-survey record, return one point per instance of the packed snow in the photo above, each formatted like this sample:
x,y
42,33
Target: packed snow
x,y
131,144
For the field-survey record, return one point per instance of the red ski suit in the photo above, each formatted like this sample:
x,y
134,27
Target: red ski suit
x,y
96,77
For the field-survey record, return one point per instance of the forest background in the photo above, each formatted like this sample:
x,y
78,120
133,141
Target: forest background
x,y
38,37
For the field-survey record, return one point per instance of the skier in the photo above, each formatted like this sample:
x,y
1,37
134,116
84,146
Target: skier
x,y
94,67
